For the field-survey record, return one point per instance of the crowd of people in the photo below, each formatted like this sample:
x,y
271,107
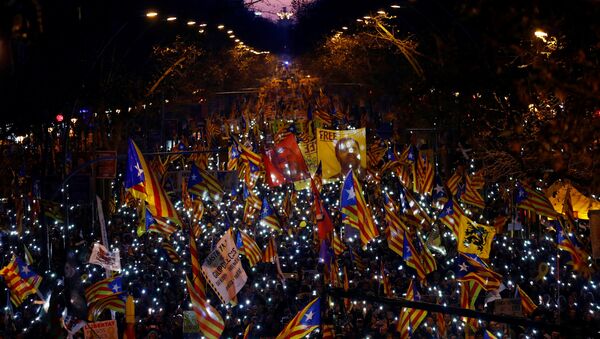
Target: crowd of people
x,y
269,300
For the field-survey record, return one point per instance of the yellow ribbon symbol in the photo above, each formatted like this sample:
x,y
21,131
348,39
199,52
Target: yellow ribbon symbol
x,y
542,271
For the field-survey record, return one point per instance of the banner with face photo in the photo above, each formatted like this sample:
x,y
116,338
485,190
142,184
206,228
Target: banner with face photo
x,y
340,151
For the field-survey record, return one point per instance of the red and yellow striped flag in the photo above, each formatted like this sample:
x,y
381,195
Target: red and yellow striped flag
x,y
250,249
469,291
20,279
143,184
424,176
327,331
209,320
385,281
270,252
396,228
410,318
355,211
197,278
472,196
338,245
527,304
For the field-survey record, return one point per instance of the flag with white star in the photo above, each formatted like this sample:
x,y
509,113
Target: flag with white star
x,y
103,289
438,188
355,212
143,184
203,184
471,268
21,280
306,321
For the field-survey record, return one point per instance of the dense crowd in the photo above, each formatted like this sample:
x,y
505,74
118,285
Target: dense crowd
x,y
268,301
157,284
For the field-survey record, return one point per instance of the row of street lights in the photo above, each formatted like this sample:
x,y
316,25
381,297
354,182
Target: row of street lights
x,y
240,44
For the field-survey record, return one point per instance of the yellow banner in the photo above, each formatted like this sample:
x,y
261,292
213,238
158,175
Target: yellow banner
x,y
340,151
475,238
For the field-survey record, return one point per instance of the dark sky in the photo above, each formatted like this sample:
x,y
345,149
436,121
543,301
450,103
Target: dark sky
x,y
54,54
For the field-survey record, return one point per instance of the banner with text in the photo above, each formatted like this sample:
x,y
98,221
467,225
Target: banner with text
x,y
101,330
223,269
340,151
105,258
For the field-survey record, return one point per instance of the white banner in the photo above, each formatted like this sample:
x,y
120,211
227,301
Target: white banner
x,y
105,258
223,269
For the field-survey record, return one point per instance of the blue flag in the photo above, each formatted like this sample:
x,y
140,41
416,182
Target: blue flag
x,y
134,173
438,189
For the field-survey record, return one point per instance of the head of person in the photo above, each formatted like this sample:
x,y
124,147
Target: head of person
x,y
347,152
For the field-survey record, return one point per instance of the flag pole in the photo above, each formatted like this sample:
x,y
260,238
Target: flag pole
x,y
104,235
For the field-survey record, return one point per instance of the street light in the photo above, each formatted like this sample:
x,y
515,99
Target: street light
x,y
151,14
171,18
191,23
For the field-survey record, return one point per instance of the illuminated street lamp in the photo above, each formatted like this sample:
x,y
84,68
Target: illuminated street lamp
x,y
151,14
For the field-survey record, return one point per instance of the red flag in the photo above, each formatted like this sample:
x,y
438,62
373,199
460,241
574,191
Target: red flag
x,y
273,176
286,161
324,223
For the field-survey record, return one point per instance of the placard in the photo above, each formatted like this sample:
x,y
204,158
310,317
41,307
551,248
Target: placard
x,y
223,269
101,330
341,150
106,169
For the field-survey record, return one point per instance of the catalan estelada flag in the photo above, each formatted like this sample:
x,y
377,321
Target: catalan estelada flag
x,y
472,196
410,318
471,268
248,247
469,291
355,212
161,225
20,279
209,320
203,184
527,305
396,228
450,216
454,182
306,321
103,289
234,156
424,178
142,184
114,302
532,200
247,154
579,259
270,253
268,217
337,244
418,257
171,252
